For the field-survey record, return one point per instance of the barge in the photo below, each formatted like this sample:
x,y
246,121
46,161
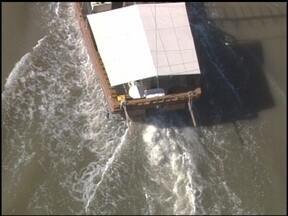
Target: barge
x,y
143,54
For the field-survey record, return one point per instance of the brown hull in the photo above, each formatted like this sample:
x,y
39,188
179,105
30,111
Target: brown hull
x,y
168,102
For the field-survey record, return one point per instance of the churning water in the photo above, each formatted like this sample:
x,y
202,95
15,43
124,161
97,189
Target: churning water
x,y
63,155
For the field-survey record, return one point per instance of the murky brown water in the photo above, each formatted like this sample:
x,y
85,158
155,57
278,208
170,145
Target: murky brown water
x,y
60,154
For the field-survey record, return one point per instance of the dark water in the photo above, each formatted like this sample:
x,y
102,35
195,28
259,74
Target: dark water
x,y
60,154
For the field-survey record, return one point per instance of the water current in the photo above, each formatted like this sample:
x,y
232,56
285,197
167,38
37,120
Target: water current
x,y
62,154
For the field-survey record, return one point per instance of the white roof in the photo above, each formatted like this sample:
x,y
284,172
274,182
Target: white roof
x,y
126,41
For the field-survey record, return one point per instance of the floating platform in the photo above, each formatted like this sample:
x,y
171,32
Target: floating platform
x,y
141,70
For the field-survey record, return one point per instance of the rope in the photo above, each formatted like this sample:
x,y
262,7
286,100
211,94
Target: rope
x,y
156,50
123,106
190,94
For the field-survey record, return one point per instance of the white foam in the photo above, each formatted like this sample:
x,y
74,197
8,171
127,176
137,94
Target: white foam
x,y
170,169
15,73
149,133
91,189
57,8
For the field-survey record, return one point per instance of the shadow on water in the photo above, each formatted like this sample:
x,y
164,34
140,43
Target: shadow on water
x,y
234,86
233,83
